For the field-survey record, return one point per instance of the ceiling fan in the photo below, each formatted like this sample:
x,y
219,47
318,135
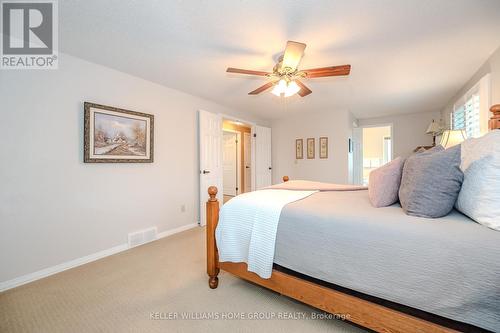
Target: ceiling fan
x,y
285,77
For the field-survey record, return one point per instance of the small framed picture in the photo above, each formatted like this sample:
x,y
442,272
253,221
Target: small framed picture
x,y
113,135
299,149
310,148
323,147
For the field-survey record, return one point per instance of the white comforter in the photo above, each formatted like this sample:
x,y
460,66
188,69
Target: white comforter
x,y
247,227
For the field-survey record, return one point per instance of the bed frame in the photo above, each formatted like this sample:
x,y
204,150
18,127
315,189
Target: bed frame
x,y
362,312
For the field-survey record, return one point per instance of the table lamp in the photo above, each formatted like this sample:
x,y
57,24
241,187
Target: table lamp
x,y
433,129
452,138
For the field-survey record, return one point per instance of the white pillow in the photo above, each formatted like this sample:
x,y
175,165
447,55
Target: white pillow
x,y
480,193
475,149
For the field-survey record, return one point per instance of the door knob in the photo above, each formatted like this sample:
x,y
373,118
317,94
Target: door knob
x,y
205,172
270,168
247,167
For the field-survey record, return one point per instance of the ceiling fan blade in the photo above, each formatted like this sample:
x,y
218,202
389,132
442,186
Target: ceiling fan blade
x,y
293,54
304,90
246,71
262,88
328,68
328,71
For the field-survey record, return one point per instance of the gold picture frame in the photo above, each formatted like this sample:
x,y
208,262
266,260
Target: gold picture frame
x,y
299,149
323,147
113,135
311,148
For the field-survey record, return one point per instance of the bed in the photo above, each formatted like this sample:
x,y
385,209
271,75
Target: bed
x,y
388,271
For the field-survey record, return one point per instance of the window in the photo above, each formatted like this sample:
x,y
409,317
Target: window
x,y
470,113
467,117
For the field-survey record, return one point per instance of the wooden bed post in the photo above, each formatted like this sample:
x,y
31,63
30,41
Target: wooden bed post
x,y
212,255
286,178
495,119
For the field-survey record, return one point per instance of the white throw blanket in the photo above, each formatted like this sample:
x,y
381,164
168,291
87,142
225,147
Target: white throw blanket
x,y
247,227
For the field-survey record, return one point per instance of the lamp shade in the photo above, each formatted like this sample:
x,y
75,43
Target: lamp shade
x,y
452,138
433,128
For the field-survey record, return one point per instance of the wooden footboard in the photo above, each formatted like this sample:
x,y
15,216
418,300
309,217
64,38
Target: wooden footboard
x,y
359,311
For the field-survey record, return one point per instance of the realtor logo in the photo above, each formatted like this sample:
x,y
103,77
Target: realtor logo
x,y
29,35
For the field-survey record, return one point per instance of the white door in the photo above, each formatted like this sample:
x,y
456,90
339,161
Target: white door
x,y
357,156
247,150
263,167
210,144
229,163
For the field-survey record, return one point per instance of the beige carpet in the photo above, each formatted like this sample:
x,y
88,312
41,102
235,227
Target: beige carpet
x,y
164,278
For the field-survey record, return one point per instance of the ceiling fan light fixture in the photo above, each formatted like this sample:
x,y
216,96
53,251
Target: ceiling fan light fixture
x,y
280,88
292,89
285,88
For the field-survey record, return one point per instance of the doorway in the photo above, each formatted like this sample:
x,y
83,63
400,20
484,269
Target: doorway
x,y
376,148
255,167
236,158
372,147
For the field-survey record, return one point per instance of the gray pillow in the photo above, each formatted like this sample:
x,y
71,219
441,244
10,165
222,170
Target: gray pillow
x,y
431,182
434,149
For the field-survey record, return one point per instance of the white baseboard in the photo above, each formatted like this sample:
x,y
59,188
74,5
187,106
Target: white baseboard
x,y
19,281
176,230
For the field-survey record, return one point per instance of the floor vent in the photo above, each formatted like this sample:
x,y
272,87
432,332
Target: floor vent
x,y
142,236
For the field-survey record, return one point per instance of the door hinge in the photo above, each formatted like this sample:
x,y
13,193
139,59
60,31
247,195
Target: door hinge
x,y
255,135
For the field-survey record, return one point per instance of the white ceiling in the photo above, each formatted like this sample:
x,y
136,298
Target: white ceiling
x,y
406,55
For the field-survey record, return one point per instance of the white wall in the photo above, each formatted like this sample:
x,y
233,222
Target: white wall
x,y
53,207
408,130
336,125
492,65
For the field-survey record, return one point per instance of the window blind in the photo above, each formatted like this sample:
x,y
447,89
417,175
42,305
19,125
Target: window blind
x,y
466,116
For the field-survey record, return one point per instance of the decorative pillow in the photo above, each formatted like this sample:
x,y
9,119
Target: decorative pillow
x,y
384,183
480,193
434,149
431,182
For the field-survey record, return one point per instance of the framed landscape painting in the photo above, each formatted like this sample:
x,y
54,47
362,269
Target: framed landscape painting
x,y
113,135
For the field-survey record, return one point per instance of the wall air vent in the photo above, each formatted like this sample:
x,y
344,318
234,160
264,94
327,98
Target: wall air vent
x,y
142,236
